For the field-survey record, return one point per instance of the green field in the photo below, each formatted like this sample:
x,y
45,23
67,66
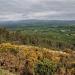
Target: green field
x,y
60,37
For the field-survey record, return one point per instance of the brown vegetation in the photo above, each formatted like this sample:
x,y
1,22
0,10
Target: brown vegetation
x,y
22,59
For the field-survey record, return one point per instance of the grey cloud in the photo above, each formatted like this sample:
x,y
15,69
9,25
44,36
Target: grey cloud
x,y
37,9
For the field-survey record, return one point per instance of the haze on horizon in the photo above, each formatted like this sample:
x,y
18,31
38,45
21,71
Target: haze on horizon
x,y
37,9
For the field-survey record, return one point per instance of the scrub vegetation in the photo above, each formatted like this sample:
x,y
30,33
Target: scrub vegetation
x,y
37,50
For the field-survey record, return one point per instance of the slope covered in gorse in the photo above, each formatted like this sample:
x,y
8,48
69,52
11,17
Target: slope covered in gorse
x,y
26,60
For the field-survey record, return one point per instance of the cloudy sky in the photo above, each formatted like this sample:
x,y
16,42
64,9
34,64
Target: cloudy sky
x,y
37,9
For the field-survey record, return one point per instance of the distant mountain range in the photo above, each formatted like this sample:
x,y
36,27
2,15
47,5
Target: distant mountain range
x,y
36,22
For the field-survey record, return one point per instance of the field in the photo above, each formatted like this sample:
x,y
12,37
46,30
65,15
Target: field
x,y
59,37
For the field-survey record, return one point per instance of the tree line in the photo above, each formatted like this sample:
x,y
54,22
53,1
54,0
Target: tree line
x,y
18,37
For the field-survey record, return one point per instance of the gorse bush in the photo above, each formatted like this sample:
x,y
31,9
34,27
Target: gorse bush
x,y
9,48
45,67
31,60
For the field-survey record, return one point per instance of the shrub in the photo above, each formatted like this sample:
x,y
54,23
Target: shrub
x,y
45,67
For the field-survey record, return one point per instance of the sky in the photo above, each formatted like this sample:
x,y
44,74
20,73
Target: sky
x,y
37,9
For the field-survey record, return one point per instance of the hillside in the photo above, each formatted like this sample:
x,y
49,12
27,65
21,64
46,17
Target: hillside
x,y
41,36
35,22
31,60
